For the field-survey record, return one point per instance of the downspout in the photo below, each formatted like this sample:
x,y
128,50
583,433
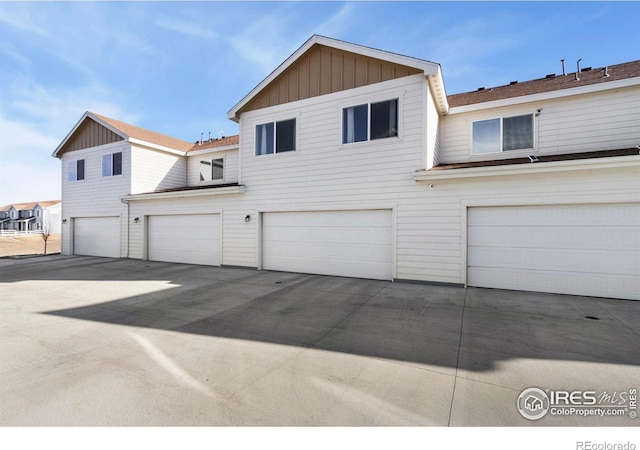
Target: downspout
x,y
128,216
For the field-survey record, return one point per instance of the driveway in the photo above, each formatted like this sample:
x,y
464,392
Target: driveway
x,y
98,341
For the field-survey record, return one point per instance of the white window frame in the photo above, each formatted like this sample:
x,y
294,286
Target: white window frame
x,y
210,160
111,174
399,118
75,179
275,137
534,131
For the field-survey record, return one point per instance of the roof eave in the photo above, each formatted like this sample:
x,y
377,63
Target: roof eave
x,y
521,169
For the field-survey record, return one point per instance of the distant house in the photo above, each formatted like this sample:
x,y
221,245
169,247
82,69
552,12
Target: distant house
x,y
33,216
353,161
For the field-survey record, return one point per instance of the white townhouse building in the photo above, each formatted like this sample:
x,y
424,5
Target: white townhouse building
x,y
32,216
353,161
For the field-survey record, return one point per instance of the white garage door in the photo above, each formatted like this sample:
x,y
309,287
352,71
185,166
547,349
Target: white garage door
x,y
570,249
191,239
343,243
96,236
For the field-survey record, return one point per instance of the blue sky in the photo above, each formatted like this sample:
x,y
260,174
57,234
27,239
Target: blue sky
x,y
177,68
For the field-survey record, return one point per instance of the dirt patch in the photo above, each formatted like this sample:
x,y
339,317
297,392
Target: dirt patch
x,y
28,245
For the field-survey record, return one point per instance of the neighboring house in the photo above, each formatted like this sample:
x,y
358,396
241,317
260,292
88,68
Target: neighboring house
x,y
33,216
353,161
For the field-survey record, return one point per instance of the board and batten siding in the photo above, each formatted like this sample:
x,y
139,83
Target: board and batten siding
x,y
606,120
230,167
95,196
155,170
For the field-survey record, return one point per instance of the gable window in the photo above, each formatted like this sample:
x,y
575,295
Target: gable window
x,y
212,169
112,164
370,121
76,170
503,134
278,137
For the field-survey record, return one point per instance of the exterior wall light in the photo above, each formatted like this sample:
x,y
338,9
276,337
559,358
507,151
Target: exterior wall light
x,y
136,220
64,220
247,218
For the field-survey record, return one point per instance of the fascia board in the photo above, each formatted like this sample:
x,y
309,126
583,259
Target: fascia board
x,y
142,143
551,95
224,148
187,193
533,168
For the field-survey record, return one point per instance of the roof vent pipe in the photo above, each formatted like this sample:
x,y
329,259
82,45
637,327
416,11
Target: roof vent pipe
x,y
606,72
563,71
201,137
578,69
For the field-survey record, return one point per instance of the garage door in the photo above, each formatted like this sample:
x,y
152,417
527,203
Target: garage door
x,y
97,236
343,243
191,239
573,249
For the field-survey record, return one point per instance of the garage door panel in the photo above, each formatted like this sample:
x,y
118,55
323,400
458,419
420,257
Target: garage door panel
x,y
564,215
97,236
573,249
345,243
190,239
601,261
626,287
579,237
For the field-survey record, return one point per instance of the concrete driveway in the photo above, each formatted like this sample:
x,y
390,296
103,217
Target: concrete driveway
x,y
96,341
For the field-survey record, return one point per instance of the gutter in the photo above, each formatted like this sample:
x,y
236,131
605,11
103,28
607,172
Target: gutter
x,y
523,169
240,189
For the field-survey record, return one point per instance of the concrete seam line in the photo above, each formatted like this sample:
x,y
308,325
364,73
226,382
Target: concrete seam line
x,y
455,378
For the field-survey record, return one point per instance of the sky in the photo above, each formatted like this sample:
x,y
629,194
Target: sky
x,y
178,67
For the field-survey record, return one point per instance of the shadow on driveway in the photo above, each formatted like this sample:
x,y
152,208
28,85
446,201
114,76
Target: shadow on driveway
x,y
470,329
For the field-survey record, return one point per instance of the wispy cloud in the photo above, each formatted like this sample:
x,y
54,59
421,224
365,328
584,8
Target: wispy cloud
x,y
186,28
20,17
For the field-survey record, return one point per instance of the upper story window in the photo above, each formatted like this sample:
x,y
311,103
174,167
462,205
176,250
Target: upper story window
x,y
76,170
276,137
212,169
112,164
503,134
37,213
370,121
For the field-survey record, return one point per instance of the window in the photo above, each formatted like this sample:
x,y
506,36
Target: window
x,y
278,136
112,164
76,170
370,121
503,134
212,169
37,213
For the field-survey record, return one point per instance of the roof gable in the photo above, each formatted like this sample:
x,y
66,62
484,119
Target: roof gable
x,y
323,66
94,129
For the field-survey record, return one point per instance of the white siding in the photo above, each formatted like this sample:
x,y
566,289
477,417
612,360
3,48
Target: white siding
x,y
600,121
230,167
96,195
155,170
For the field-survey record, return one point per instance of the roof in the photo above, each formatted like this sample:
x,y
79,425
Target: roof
x,y
551,82
540,159
430,69
127,132
153,137
215,143
30,205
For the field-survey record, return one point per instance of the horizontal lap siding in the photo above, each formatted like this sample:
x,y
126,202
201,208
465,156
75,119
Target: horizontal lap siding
x,y
154,170
588,122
